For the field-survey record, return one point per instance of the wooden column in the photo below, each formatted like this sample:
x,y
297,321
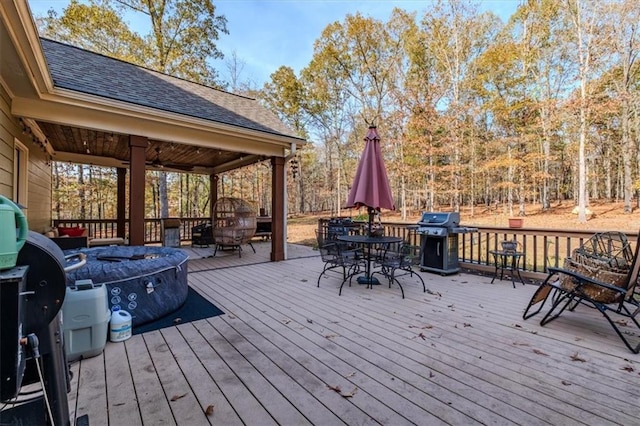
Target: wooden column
x,y
138,146
277,209
121,210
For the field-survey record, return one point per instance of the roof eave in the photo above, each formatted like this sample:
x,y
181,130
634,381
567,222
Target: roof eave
x,y
19,23
82,110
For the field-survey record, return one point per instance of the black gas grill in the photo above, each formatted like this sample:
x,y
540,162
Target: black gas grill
x,y
439,241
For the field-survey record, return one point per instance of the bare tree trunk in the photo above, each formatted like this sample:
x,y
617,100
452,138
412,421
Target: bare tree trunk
x,y
81,192
164,198
56,187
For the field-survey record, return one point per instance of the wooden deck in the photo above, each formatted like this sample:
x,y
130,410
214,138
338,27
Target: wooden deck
x,y
286,352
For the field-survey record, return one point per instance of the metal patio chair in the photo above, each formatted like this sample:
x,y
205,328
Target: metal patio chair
x,y
338,256
603,274
394,264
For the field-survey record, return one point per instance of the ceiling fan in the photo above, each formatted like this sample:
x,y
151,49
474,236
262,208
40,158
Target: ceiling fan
x,y
162,165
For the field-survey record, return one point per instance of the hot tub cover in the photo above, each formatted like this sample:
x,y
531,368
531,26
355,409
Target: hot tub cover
x,y
147,282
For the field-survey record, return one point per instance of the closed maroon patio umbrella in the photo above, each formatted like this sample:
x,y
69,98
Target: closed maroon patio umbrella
x,y
371,186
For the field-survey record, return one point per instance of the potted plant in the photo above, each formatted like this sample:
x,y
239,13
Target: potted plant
x,y
515,222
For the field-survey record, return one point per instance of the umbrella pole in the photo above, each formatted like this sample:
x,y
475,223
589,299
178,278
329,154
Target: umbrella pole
x,y
371,212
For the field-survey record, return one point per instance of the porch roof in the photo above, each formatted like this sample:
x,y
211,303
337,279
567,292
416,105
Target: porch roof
x,y
75,100
91,73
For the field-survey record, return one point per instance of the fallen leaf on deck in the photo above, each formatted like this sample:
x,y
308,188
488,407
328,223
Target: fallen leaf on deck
x,y
350,394
564,382
481,307
177,397
539,352
575,357
466,324
310,321
431,375
517,325
628,368
330,336
335,388
622,322
350,375
304,280
209,410
422,336
286,321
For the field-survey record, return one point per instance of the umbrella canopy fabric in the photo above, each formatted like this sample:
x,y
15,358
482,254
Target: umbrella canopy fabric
x,y
371,186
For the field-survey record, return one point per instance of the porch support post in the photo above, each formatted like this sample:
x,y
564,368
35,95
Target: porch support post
x,y
138,146
277,209
121,211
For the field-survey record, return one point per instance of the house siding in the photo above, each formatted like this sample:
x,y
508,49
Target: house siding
x,y
38,210
6,145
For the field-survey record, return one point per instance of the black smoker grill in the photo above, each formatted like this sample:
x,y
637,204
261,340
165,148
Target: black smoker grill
x,y
439,242
32,319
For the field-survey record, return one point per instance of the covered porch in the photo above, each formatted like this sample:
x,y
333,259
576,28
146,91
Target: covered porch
x,y
72,105
287,352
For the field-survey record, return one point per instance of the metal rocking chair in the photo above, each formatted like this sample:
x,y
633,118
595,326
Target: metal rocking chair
x,y
394,264
596,280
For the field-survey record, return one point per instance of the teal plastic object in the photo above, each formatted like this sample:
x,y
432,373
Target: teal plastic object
x,y
13,232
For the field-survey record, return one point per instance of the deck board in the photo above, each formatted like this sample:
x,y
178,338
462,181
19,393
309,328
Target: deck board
x,y
457,354
206,391
122,403
153,402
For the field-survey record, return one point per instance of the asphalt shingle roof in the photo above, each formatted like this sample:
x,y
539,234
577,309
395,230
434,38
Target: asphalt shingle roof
x,y
83,71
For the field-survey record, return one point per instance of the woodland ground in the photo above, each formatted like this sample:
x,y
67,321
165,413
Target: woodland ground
x,y
604,217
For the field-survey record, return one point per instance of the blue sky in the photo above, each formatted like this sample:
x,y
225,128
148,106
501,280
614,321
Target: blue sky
x,y
266,34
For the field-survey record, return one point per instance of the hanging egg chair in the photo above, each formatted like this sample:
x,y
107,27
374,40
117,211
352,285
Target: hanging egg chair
x,y
234,223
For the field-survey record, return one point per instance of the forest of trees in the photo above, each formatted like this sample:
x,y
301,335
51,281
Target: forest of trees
x,y
472,111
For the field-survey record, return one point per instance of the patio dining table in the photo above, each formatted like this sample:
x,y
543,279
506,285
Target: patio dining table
x,y
367,242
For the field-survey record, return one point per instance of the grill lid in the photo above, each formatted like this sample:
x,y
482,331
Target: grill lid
x,y
444,219
46,280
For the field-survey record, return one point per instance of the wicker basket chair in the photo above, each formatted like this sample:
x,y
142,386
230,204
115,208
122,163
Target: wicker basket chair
x,y
234,224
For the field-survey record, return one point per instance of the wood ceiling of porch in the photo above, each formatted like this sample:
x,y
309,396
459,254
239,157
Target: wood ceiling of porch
x,y
93,145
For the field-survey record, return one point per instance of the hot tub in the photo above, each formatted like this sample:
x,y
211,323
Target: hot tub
x,y
147,282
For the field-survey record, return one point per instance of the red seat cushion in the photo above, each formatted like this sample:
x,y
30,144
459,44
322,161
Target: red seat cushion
x,y
72,232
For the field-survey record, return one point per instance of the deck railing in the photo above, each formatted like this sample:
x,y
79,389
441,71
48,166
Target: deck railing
x,y
541,247
107,228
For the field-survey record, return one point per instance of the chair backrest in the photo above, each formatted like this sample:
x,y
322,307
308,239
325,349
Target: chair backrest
x,y
321,238
611,248
410,254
